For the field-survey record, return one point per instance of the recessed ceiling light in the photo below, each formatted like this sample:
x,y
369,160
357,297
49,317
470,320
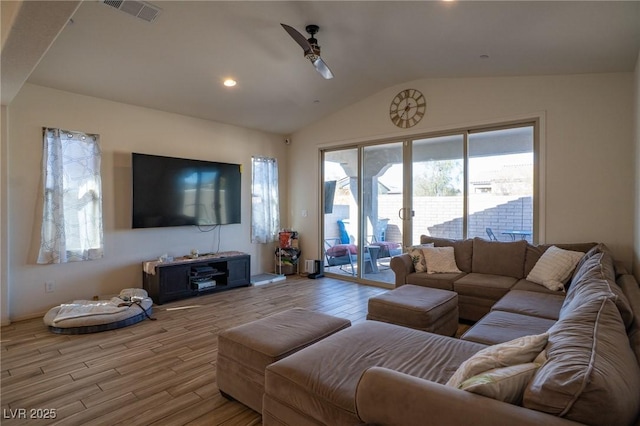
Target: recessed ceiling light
x,y
229,82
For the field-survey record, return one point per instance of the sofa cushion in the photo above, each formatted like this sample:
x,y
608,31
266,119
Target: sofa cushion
x,y
484,285
596,263
322,378
499,258
554,268
596,278
463,249
630,287
441,281
498,327
598,248
440,260
504,384
517,351
542,305
525,285
534,252
340,250
591,375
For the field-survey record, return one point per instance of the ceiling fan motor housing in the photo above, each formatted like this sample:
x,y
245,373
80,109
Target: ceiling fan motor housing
x,y
313,29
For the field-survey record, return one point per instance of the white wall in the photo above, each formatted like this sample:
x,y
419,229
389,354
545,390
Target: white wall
x,y
123,129
589,140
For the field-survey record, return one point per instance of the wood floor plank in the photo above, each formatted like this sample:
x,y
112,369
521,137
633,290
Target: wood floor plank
x,y
154,372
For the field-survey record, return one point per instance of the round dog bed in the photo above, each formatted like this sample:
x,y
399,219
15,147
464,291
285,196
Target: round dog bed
x,y
130,307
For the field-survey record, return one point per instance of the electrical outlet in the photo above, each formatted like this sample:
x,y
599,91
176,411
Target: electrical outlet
x,y
49,286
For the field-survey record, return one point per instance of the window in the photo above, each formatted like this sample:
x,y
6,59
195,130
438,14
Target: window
x,y
500,184
265,210
72,208
478,183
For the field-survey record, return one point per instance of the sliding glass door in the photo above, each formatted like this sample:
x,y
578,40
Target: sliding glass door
x,y
381,197
341,203
501,184
382,192
438,187
363,190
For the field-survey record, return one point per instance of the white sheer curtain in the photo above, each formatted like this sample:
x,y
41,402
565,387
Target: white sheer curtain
x,y
265,211
72,209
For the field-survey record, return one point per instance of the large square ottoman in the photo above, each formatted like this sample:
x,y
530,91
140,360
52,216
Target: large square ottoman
x,y
246,350
421,308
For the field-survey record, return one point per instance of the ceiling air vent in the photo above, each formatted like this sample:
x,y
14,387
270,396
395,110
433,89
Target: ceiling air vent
x,y
139,9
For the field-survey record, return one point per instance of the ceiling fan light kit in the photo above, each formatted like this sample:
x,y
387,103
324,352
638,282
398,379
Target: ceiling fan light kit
x,y
310,47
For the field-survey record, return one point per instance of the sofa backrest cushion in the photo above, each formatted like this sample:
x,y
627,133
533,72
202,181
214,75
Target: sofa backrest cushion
x,y
596,277
463,249
599,265
591,374
499,258
630,287
534,252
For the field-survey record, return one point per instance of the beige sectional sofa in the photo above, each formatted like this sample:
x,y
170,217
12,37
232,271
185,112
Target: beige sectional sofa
x,y
384,374
489,270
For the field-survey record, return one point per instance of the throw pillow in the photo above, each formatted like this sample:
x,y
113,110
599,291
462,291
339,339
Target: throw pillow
x,y
554,268
517,351
504,384
440,260
417,257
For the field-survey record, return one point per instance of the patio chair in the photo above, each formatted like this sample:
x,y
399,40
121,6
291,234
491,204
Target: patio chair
x,y
339,254
492,236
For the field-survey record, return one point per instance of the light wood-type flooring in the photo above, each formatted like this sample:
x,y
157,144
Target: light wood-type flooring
x,y
159,372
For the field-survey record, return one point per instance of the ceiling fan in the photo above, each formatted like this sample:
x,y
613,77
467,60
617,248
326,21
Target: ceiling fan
x,y
310,47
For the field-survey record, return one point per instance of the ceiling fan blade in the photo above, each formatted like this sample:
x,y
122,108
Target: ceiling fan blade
x,y
322,68
299,38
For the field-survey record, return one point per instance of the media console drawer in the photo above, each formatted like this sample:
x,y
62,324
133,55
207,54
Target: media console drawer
x,y
186,277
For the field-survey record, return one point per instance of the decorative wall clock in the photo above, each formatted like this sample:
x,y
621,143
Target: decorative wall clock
x,y
407,108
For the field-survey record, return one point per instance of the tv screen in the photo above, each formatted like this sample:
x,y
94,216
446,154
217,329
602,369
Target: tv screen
x,y
171,191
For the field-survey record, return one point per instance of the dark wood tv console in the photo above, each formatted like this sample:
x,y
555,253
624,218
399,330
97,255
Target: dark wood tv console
x,y
186,277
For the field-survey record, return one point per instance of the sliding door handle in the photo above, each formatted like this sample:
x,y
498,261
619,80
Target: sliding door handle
x,y
403,210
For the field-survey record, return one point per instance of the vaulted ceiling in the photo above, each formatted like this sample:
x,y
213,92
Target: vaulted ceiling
x,y
177,62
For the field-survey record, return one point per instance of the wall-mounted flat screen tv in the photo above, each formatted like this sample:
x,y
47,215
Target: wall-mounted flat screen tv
x,y
170,191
